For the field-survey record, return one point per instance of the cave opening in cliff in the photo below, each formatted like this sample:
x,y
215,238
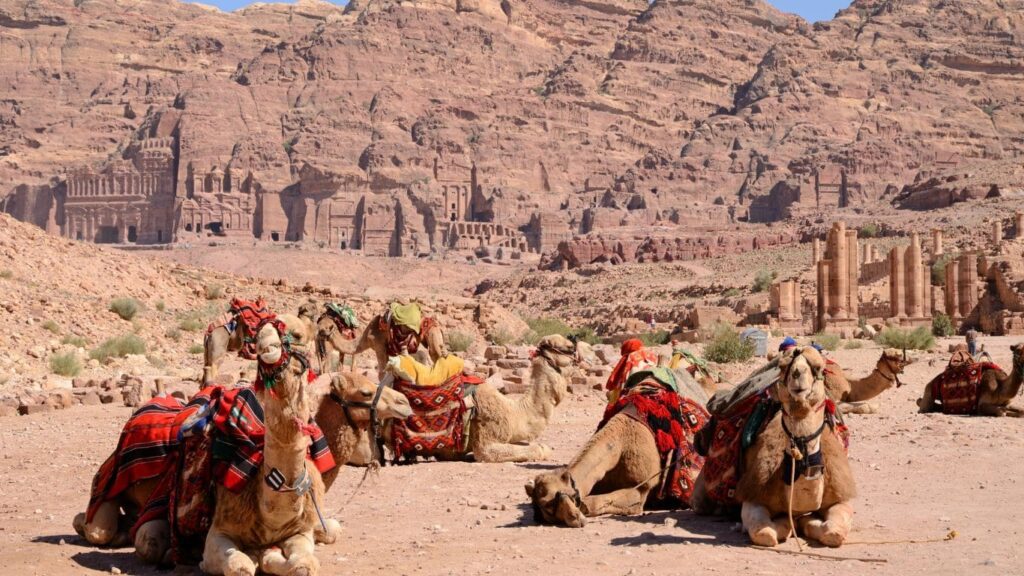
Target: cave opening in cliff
x,y
133,234
107,235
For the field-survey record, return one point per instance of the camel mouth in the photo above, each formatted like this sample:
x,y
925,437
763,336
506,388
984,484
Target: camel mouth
x,y
400,411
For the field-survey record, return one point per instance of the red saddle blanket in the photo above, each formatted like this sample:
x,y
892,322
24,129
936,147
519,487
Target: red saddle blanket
x,y
439,421
217,438
247,316
673,421
956,389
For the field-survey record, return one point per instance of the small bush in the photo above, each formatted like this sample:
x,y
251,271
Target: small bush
x,y
213,291
51,326
74,340
192,323
588,335
119,347
173,334
548,326
826,341
459,341
656,338
161,306
196,349
869,230
942,325
502,337
732,293
727,346
66,364
920,338
126,308
763,280
6,274
156,361
854,345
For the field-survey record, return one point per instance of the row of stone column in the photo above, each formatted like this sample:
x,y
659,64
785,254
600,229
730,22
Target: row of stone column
x,y
838,278
909,282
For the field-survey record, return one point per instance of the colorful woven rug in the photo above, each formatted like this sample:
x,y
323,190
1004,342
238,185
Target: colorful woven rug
x,y
439,420
956,389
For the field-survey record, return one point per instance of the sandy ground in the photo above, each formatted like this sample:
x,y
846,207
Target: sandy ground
x,y
920,476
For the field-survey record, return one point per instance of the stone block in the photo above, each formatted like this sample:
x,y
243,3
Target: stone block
x,y
30,409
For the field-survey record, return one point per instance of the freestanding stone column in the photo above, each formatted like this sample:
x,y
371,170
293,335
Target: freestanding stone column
x,y
936,242
824,291
953,290
839,276
853,271
915,286
815,251
997,233
968,279
897,284
1019,219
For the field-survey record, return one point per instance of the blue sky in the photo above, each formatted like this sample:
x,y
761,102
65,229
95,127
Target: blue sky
x,y
812,10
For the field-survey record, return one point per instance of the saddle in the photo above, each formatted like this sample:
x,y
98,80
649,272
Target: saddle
x,y
956,390
248,316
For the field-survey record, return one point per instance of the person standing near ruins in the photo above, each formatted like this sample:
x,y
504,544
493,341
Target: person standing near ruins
x,y
972,342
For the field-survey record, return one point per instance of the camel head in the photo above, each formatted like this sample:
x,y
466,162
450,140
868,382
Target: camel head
x,y
283,375
556,500
359,395
801,387
308,311
892,363
559,354
1018,357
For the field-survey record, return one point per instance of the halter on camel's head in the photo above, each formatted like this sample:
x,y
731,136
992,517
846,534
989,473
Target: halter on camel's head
x,y
283,372
802,383
558,351
892,363
1018,356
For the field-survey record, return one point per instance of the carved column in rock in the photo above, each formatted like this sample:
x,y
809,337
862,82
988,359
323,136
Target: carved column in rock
x,y
897,284
953,290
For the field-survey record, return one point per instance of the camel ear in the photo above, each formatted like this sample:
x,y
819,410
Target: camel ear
x,y
529,489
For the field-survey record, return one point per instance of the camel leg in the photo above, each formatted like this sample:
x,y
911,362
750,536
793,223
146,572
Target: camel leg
x,y
762,529
102,531
492,453
859,407
833,530
222,556
700,503
272,561
625,502
329,536
300,551
992,410
153,541
926,403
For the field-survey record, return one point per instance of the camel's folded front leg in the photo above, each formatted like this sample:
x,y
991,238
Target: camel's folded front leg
x,y
330,535
153,541
492,453
762,529
222,556
300,551
104,528
625,502
833,530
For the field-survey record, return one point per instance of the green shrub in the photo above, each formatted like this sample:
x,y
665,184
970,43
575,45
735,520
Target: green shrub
x,y
870,230
6,274
727,346
502,337
213,291
196,349
161,306
173,334
548,326
732,293
942,325
939,269
854,345
459,341
119,347
74,340
192,323
51,326
826,341
920,338
126,308
656,338
763,280
156,361
66,364
588,334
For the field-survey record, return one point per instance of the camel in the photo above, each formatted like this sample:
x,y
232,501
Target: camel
x,y
376,337
615,472
219,341
797,467
852,396
344,414
333,335
266,527
698,369
995,391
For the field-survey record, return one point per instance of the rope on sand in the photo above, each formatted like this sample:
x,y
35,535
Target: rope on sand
x,y
801,552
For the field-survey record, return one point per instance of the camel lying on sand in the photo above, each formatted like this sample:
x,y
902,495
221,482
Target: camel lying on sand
x,y
266,527
995,390
798,444
220,341
335,332
852,396
618,468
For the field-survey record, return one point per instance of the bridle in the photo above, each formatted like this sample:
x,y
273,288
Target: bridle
x,y
347,405
575,497
543,353
797,459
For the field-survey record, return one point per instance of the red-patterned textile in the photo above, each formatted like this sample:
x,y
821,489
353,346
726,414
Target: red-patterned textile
x,y
673,421
956,389
438,419
247,316
722,466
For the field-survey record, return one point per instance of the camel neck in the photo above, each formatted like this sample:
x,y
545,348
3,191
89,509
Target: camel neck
x,y
871,385
342,435
544,393
285,448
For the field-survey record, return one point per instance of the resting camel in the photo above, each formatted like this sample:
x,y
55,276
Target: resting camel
x,y
332,335
852,395
343,415
614,473
376,337
261,527
219,341
995,391
797,443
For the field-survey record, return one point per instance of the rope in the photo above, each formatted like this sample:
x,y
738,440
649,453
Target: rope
x,y
792,490
801,552
949,536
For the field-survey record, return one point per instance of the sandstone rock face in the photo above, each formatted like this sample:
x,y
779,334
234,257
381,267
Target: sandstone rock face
x,y
404,128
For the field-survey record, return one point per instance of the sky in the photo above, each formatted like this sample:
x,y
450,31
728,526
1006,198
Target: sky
x,y
812,10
